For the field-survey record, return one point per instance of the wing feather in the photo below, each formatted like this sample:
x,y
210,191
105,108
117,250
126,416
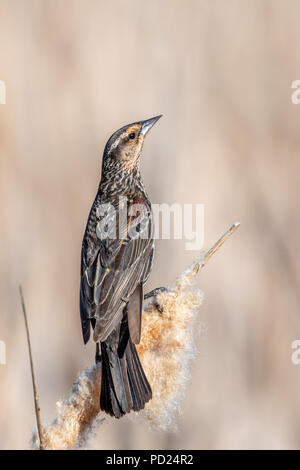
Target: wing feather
x,y
110,275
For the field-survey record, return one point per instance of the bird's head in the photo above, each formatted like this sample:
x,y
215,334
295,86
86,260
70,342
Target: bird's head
x,y
124,147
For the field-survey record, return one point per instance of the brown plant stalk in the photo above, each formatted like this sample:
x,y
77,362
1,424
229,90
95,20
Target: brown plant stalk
x,y
35,395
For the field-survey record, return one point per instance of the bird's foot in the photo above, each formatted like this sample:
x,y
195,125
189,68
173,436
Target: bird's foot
x,y
154,293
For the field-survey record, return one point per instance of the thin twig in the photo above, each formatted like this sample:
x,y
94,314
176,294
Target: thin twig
x,y
36,398
219,243
206,255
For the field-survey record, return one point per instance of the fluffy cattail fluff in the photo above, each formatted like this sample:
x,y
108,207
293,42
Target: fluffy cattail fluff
x,y
166,349
76,416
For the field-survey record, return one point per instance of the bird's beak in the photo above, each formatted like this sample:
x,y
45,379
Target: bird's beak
x,y
146,125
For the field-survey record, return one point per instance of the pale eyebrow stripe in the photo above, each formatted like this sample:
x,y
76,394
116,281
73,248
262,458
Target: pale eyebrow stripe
x,y
134,128
114,145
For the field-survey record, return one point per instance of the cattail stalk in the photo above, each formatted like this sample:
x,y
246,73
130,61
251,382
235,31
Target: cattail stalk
x,y
35,394
166,349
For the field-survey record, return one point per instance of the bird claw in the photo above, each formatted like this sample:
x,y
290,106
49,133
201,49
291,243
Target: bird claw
x,y
158,307
154,293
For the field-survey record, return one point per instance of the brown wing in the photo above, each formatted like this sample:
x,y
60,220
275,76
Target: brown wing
x,y
113,272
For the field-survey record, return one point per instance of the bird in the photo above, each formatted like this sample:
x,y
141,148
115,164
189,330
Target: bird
x,y
116,260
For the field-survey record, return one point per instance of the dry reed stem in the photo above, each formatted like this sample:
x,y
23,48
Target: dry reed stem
x,y
35,394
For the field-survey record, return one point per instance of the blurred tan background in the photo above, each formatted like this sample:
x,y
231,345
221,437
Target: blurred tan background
x,y
221,74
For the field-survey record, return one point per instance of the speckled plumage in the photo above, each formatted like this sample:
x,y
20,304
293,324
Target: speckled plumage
x,y
114,271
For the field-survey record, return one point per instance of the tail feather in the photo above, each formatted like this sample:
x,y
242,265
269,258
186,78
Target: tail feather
x,y
124,386
137,375
108,400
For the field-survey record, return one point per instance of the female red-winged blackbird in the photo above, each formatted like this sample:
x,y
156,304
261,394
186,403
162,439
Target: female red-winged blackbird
x,y
116,260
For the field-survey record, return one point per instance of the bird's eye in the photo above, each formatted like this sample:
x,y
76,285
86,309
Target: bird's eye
x,y
132,135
